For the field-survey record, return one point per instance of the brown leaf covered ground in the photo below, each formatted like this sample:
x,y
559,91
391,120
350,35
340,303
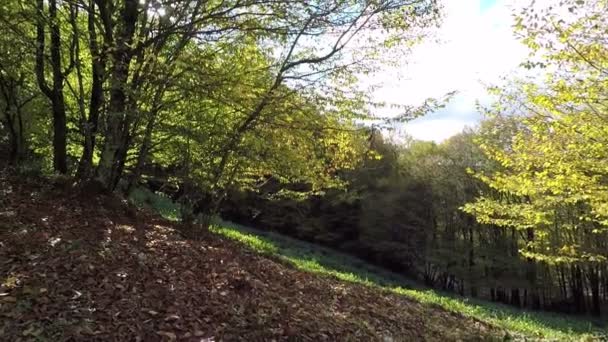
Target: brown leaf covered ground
x,y
79,267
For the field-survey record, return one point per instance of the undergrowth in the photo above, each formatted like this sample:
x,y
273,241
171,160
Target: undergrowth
x,y
159,202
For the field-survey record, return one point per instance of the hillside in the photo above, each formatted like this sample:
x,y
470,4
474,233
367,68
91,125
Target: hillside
x,y
81,267
78,267
518,324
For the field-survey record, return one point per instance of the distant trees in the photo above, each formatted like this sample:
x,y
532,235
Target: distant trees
x,y
17,96
18,93
402,209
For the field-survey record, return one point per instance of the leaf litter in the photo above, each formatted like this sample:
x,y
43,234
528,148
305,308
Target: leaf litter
x,y
79,267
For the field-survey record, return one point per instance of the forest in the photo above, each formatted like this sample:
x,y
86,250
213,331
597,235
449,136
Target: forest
x,y
252,111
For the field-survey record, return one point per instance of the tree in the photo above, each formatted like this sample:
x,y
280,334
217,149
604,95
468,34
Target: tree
x,y
16,93
551,184
54,91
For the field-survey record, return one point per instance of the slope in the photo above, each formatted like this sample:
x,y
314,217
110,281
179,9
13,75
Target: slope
x,y
74,266
82,267
518,324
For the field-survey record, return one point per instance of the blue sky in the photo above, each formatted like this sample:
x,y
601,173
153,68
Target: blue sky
x,y
486,4
475,47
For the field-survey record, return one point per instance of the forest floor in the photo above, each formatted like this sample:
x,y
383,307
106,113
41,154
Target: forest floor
x,y
79,267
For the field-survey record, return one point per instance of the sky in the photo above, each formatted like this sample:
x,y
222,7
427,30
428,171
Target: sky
x,y
475,46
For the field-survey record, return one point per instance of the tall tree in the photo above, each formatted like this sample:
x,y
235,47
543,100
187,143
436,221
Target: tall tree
x,y
47,17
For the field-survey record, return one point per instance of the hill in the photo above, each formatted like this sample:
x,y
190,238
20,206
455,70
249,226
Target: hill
x,y
77,266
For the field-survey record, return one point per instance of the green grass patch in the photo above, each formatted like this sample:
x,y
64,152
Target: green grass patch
x,y
159,202
312,258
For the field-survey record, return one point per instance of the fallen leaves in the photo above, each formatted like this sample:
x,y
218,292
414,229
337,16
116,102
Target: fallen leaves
x,y
8,299
126,278
171,318
171,336
151,312
32,331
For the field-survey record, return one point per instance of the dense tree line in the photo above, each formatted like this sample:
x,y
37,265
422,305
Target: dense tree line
x,y
251,109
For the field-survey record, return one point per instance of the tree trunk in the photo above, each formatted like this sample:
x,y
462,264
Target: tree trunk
x,y
13,136
109,169
60,162
515,299
605,282
98,66
577,289
594,283
562,281
472,258
121,158
54,93
531,276
143,151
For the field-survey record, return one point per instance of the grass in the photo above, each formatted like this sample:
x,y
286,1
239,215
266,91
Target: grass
x,y
162,204
312,258
320,260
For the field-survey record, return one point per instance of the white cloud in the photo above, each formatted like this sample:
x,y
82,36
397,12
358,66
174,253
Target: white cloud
x,y
437,129
476,47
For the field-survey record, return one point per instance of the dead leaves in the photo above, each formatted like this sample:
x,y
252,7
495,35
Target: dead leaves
x,y
171,336
32,331
171,318
8,300
135,279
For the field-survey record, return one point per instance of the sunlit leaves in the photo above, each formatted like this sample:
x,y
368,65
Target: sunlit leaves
x,y
555,161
